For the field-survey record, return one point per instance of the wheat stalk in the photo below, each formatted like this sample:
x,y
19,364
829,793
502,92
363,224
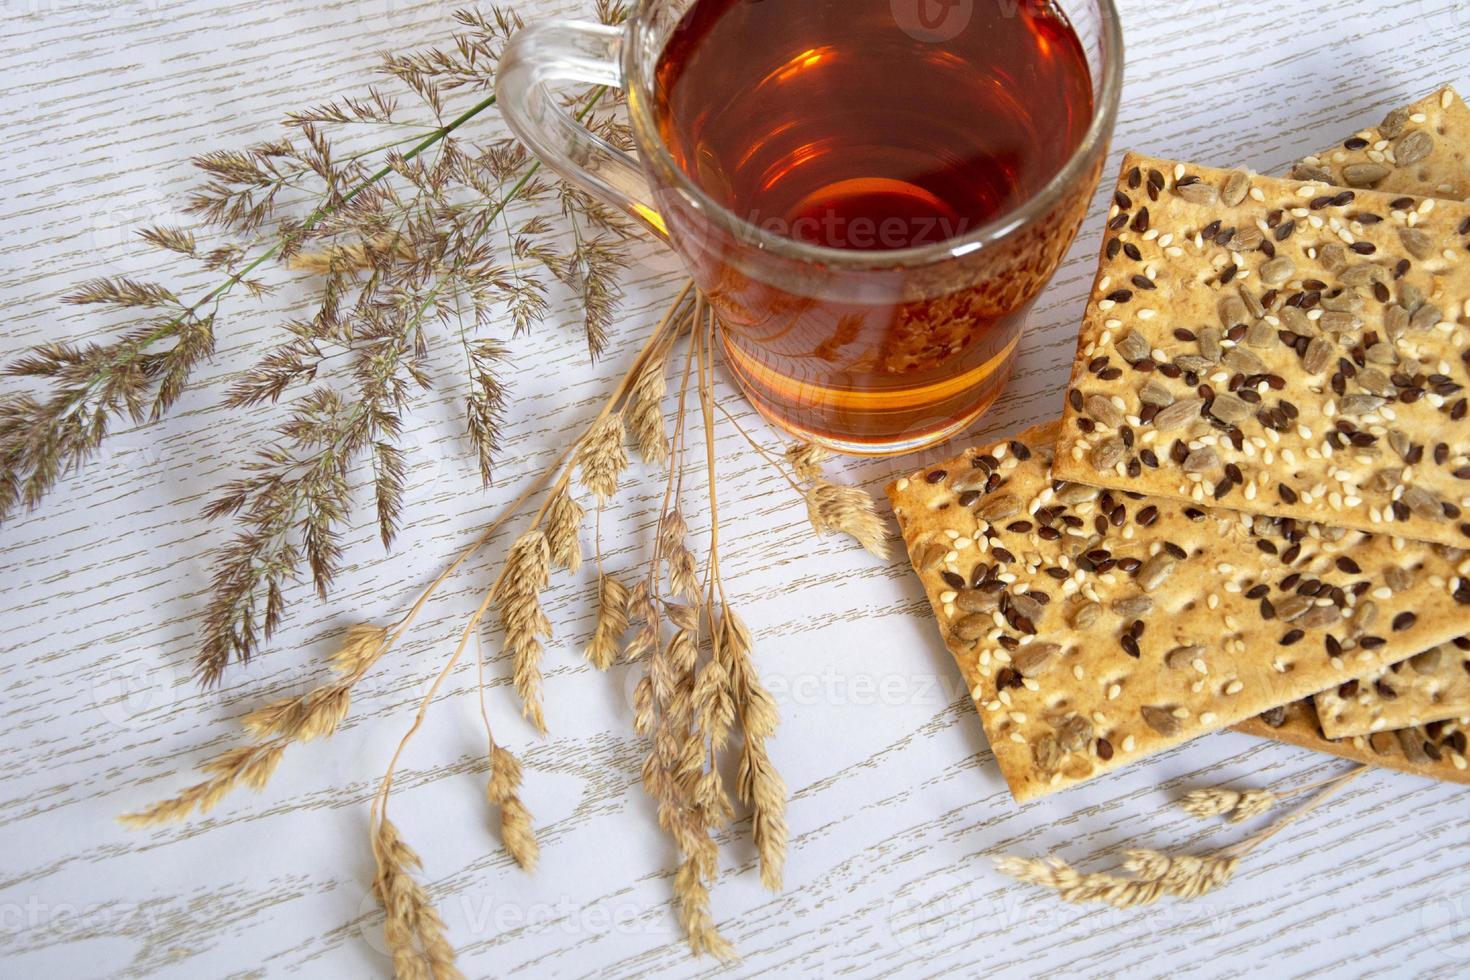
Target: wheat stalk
x,y
412,927
502,789
1156,874
563,522
1228,803
612,621
602,456
517,596
515,592
832,507
806,459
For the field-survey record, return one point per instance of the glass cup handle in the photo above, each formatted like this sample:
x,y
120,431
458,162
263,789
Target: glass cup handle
x,y
572,51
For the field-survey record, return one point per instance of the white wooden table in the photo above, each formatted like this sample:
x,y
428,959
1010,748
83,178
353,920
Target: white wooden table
x,y
895,800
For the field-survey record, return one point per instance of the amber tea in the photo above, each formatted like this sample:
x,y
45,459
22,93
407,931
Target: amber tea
x,y
834,123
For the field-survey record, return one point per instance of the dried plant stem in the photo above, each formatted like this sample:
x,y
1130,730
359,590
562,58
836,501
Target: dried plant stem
x,y
48,438
830,506
1156,874
304,494
502,790
409,942
761,787
1237,806
274,728
318,713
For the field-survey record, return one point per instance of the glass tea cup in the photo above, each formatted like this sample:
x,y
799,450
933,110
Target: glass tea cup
x,y
868,350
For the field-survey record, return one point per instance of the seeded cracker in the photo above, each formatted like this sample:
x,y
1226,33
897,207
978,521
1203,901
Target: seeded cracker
x,y
1094,628
1427,687
1421,149
1280,348
1437,685
1436,750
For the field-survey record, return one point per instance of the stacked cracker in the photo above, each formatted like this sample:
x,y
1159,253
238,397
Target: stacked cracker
x,y
1260,488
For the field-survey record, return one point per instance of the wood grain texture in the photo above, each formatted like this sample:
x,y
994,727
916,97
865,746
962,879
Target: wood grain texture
x,y
896,801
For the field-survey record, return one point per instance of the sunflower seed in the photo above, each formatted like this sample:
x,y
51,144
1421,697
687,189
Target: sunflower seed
x,y
1047,754
1025,605
1177,414
1246,239
973,627
1204,460
1074,733
1086,615
1237,185
1333,257
1412,745
1193,363
1393,123
1156,394
1292,607
1133,607
1101,407
1153,572
1197,193
1425,317
1423,503
998,508
1418,241
1381,353
1073,494
1295,320
1412,147
1209,343
1160,720
1242,360
1317,357
1359,404
1347,301
1232,309
1363,274
1107,454
1261,336
1181,658
1033,660
977,601
1338,322
1133,347
1306,172
1411,297
1277,271
1375,381
1364,174
1229,409
1320,616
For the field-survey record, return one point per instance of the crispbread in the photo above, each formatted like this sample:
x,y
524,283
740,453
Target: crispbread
x,y
1413,697
1229,615
1436,750
1342,403
1437,126
1427,687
